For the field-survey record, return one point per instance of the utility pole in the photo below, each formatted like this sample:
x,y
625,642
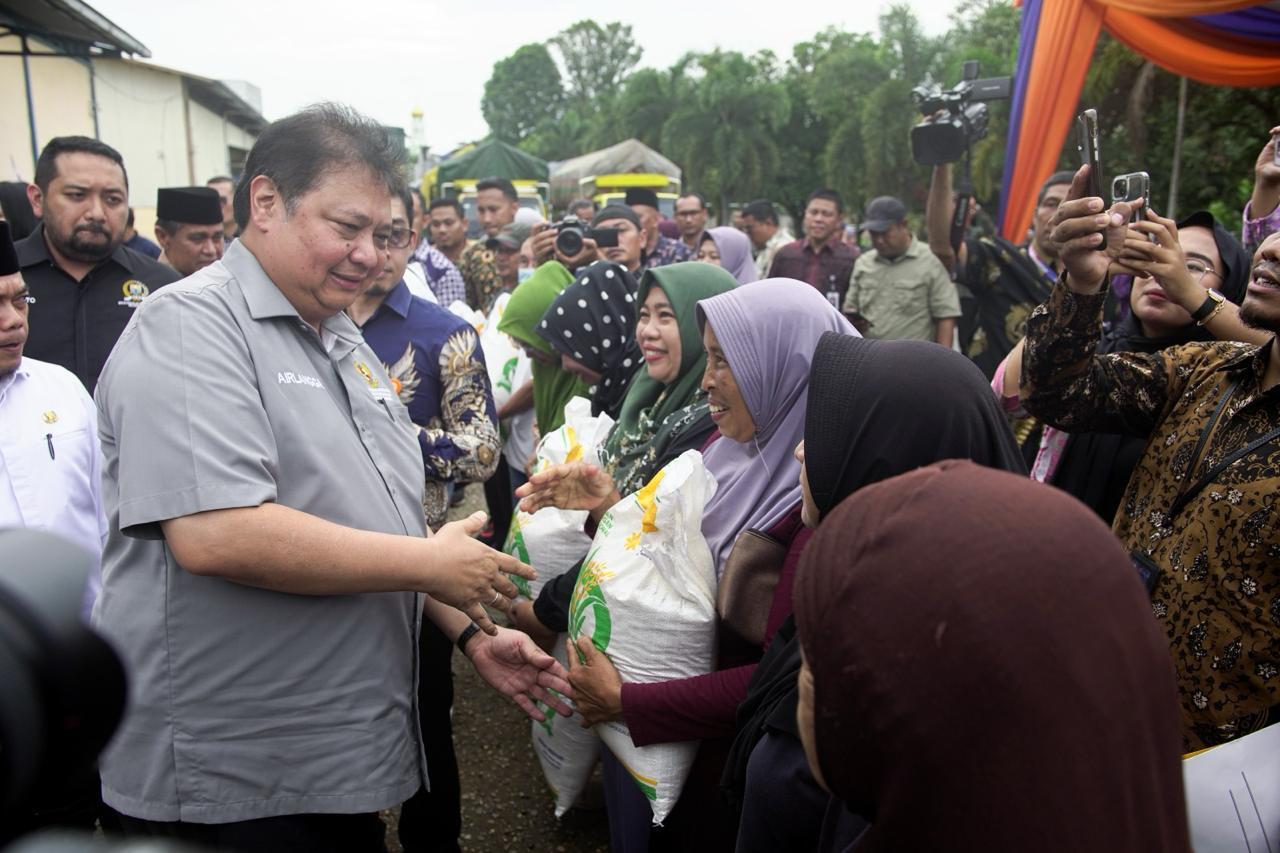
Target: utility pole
x,y
1175,172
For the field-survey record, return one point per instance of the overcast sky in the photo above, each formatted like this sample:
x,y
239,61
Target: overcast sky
x,y
387,57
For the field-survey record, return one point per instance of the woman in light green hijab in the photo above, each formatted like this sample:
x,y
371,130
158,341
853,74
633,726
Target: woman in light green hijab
x,y
553,386
665,411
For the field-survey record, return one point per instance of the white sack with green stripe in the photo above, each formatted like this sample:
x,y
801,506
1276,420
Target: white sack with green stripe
x,y
566,751
646,597
553,540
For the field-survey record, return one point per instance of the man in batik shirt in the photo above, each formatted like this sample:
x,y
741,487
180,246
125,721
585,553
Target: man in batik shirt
x,y
437,370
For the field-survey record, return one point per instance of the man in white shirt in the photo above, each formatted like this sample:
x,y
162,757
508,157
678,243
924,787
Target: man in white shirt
x,y
50,461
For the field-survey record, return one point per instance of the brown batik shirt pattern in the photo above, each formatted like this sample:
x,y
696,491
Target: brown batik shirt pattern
x,y
1217,593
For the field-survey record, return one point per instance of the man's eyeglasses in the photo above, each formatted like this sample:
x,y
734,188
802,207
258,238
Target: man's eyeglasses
x,y
1199,269
400,238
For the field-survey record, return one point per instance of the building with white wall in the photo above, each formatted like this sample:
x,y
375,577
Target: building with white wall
x,y
65,69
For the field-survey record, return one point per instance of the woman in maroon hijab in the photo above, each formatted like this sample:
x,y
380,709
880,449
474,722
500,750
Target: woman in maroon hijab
x,y
983,673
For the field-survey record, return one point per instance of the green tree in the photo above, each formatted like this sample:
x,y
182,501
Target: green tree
x,y
725,131
596,59
523,93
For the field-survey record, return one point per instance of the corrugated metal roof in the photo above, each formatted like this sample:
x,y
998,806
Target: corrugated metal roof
x,y
73,26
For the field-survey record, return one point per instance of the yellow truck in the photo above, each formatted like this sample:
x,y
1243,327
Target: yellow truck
x,y
605,176
612,189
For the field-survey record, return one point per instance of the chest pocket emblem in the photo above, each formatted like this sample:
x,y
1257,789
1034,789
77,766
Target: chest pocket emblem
x,y
50,417
134,292
367,374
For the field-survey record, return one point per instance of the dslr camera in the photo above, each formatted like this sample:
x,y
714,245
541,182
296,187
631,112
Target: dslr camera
x,y
955,118
571,231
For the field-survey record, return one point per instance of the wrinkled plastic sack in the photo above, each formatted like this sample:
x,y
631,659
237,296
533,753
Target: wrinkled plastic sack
x,y
502,357
646,596
553,540
566,751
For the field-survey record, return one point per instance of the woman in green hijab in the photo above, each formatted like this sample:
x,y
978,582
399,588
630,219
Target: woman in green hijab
x,y
664,413
552,385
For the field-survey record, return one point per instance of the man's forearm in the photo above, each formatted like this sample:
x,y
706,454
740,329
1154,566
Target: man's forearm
x,y
279,548
946,332
937,216
521,400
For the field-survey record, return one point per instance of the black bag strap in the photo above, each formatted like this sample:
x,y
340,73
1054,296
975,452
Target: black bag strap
x,y
1188,494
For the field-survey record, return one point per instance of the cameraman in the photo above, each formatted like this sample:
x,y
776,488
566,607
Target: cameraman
x,y
628,252
999,283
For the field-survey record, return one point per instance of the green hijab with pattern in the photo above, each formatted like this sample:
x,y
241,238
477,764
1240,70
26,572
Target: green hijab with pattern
x,y
653,414
552,385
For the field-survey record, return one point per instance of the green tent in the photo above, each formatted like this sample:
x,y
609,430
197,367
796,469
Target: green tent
x,y
493,158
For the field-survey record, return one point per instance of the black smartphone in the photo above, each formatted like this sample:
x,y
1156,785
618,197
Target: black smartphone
x,y
1087,144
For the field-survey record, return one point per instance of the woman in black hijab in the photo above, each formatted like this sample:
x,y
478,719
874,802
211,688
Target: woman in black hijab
x,y
1095,467
876,409
592,324
982,672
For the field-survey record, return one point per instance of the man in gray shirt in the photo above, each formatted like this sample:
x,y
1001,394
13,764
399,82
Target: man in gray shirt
x,y
266,569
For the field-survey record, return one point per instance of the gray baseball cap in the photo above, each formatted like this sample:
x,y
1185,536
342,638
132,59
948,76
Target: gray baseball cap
x,y
882,213
512,236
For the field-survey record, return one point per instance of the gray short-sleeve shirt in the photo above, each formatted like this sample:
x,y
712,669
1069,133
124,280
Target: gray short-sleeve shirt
x,y
248,703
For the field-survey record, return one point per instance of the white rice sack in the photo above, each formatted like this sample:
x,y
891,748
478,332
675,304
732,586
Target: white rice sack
x,y
552,540
502,357
477,320
567,752
646,596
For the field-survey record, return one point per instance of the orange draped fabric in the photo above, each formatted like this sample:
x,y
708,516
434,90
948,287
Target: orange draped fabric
x,y
1176,8
1064,47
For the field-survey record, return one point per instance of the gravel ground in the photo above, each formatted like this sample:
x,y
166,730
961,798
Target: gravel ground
x,y
506,804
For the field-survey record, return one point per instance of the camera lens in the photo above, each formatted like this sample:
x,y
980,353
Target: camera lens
x,y
569,242
1120,188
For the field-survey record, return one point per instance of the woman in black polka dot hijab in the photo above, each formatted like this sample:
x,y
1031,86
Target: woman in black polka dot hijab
x,y
592,324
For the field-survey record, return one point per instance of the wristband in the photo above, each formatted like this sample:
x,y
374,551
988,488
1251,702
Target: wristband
x,y
1212,304
467,633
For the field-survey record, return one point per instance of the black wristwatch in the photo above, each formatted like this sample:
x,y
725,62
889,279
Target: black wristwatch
x,y
467,633
1212,303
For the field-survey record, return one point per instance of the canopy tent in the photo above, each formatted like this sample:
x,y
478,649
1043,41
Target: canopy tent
x,y
630,155
1219,42
493,158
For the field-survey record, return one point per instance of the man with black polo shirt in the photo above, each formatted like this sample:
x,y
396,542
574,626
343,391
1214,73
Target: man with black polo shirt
x,y
86,283
189,227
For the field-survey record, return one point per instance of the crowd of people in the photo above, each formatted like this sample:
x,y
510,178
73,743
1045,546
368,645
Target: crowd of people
x,y
1011,500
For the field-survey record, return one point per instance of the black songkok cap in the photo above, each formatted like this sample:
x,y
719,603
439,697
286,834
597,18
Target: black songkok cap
x,y
8,255
189,205
641,195
616,211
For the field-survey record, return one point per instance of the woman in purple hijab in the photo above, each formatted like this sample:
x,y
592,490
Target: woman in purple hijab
x,y
731,249
760,339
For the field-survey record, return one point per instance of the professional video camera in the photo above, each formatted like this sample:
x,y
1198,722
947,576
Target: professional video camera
x,y
571,231
955,118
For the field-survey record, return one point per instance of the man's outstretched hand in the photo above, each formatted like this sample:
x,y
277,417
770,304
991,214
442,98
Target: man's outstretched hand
x,y
515,667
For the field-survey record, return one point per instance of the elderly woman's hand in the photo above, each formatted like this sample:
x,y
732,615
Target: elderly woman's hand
x,y
574,485
597,687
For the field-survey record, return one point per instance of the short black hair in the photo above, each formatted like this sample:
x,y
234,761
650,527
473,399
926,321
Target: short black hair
x,y
579,203
47,165
702,201
296,150
218,179
504,186
1052,181
761,210
128,223
405,194
828,194
448,202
